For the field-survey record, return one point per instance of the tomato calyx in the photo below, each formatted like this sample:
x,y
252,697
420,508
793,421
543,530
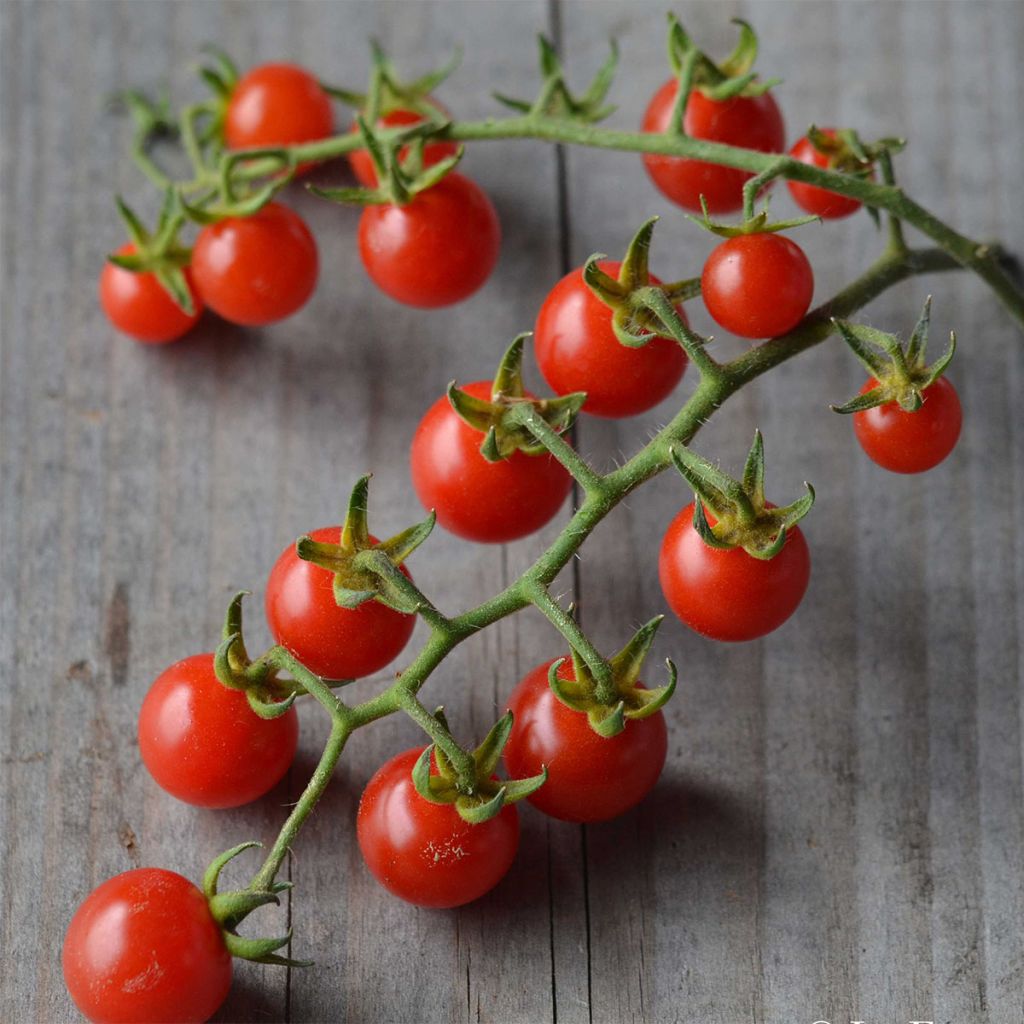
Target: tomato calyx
x,y
758,224
556,100
159,252
743,518
901,374
502,418
387,92
365,569
629,701
630,296
229,909
476,795
695,70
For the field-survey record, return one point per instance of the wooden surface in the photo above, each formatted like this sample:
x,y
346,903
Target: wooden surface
x,y
838,832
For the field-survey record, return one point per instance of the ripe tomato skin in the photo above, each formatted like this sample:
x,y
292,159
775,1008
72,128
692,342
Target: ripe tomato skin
x,y
479,500
256,270
753,122
333,642
577,350
757,286
277,105
433,152
590,778
424,852
437,249
203,743
818,201
911,442
143,946
137,305
730,595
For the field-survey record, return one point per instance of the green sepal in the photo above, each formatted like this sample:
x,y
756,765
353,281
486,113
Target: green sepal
x,y
262,951
497,418
902,375
555,100
398,181
223,76
212,874
159,252
363,570
269,709
630,701
631,295
387,92
743,516
732,77
759,224
227,663
483,797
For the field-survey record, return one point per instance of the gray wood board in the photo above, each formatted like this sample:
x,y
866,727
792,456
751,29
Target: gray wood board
x,y
838,833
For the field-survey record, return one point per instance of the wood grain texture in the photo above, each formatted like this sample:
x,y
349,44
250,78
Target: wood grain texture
x,y
838,833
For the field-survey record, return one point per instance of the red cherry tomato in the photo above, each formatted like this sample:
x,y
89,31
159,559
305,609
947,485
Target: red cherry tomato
x,y
437,249
424,852
818,201
144,947
203,743
138,305
730,595
277,105
757,286
911,442
433,152
256,270
753,122
476,499
333,642
577,351
590,778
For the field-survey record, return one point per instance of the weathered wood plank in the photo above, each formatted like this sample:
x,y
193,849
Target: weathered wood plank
x,y
838,834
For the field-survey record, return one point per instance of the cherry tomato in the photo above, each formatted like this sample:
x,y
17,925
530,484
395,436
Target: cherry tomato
x,y
203,743
144,947
911,442
333,642
818,201
590,778
256,270
476,499
437,249
433,152
757,286
424,852
277,105
138,305
577,351
730,595
753,122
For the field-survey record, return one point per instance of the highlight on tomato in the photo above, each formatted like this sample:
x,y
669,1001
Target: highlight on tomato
x,y
143,946
258,269
203,743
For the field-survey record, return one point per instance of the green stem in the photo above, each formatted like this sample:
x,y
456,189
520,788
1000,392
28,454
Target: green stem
x,y
341,729
556,444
